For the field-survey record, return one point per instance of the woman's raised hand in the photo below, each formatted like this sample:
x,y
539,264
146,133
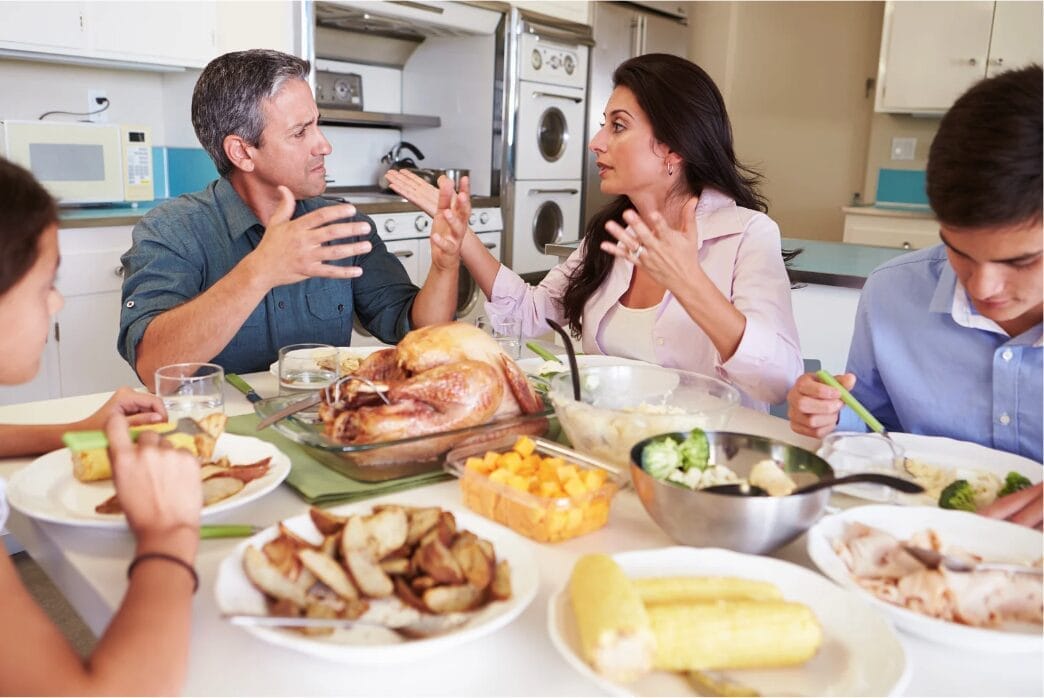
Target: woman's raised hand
x,y
666,254
414,189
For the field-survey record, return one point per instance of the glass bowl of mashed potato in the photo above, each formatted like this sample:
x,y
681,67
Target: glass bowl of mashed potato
x,y
622,404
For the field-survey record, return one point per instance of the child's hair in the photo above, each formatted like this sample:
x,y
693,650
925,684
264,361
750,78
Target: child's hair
x,y
26,210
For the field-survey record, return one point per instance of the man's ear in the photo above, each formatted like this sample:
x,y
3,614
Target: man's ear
x,y
237,151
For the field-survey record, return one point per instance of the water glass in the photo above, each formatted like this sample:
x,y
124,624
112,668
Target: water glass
x,y
191,390
306,367
507,332
860,452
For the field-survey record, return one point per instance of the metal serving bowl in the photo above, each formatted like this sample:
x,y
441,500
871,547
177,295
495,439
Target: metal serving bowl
x,y
743,523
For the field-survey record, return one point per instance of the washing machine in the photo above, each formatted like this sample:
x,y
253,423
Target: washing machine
x,y
545,212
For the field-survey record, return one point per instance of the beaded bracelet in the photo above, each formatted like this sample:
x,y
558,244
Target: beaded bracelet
x,y
169,558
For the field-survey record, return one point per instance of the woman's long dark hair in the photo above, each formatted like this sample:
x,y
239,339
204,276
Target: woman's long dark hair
x,y
687,114
26,210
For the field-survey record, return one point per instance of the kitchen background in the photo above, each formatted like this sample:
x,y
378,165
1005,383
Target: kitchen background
x,y
835,103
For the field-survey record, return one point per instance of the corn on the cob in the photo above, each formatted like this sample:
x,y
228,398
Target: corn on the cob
x,y
612,622
733,635
661,590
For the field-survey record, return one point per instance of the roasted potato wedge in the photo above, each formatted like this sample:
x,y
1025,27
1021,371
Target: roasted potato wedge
x,y
368,575
326,569
269,579
452,598
326,523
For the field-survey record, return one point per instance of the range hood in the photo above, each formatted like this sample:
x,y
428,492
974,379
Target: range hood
x,y
409,21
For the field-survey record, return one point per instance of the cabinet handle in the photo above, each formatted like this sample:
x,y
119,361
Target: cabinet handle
x,y
489,245
554,191
997,61
972,61
403,253
118,271
552,95
907,246
57,333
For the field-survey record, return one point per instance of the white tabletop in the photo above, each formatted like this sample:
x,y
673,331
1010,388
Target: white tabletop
x,y
90,565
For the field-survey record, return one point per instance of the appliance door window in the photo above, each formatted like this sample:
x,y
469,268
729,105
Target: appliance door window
x,y
550,135
545,212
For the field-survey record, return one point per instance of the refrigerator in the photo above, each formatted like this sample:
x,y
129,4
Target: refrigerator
x,y
623,30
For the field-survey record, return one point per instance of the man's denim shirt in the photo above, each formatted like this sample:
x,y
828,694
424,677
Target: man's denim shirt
x,y
184,246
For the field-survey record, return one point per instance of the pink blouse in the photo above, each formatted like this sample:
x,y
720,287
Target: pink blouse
x,y
740,252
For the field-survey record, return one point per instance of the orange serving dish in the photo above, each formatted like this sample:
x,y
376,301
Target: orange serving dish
x,y
537,487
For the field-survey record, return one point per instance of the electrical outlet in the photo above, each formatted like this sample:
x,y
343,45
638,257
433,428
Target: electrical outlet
x,y
96,99
903,148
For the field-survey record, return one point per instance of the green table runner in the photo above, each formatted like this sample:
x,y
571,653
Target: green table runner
x,y
316,483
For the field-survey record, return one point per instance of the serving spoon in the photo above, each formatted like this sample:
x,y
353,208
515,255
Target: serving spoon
x,y
745,489
933,560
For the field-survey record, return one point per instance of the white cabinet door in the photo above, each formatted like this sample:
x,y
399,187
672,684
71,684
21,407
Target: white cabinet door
x,y
569,10
44,386
931,52
891,231
407,252
88,360
91,278
1018,35
42,26
251,24
170,32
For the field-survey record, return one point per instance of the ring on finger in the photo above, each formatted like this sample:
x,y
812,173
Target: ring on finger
x,y
638,252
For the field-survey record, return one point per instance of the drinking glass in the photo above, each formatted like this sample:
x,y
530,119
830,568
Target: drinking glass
x,y
306,367
191,389
507,332
860,452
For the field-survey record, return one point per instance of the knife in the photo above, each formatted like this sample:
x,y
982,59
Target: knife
x,y
242,386
296,621
293,408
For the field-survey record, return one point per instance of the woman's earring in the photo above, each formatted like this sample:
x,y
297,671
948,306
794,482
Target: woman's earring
x,y
670,169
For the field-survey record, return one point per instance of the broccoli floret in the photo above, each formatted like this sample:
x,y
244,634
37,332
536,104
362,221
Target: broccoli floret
x,y
958,495
695,451
1014,482
661,458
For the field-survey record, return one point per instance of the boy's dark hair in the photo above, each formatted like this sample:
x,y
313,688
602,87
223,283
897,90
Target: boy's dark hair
x,y
984,166
26,210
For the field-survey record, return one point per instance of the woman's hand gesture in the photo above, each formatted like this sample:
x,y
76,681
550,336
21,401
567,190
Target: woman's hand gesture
x,y
664,253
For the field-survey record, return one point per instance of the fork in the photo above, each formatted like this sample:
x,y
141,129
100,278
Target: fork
x,y
933,560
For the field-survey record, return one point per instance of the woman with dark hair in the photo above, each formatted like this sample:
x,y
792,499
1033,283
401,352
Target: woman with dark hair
x,y
145,648
683,268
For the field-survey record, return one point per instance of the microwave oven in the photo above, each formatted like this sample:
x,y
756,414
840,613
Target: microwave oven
x,y
83,163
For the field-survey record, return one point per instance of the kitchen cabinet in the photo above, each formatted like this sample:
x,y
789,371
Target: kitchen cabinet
x,y
569,10
408,252
890,228
170,34
931,52
80,356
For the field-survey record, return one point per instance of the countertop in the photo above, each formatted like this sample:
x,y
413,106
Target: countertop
x,y
820,262
912,211
89,566
128,214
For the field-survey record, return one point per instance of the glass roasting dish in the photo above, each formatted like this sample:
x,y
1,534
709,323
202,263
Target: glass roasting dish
x,y
389,460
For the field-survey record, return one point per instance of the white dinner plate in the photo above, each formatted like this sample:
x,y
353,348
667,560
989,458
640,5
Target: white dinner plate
x,y
47,490
993,540
938,451
368,645
861,654
360,352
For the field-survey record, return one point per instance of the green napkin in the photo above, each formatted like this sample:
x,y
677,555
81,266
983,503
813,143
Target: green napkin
x,y
318,484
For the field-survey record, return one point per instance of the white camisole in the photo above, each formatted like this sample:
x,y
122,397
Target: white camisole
x,y
628,332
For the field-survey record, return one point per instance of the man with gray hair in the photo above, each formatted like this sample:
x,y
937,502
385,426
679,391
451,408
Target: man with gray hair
x,y
257,260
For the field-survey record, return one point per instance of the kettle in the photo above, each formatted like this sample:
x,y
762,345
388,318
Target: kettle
x,y
393,160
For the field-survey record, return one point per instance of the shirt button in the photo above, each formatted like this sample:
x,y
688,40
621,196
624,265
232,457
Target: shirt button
x,y
340,307
1005,419
130,304
1007,354
281,305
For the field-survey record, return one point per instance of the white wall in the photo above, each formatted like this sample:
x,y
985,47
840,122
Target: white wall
x,y
28,89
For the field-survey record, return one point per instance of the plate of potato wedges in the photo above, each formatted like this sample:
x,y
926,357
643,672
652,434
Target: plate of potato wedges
x,y
377,584
705,621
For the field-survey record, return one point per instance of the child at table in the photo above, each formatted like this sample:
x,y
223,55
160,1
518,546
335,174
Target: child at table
x,y
145,648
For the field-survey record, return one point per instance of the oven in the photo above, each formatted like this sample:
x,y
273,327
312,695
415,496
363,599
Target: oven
x,y
545,212
405,234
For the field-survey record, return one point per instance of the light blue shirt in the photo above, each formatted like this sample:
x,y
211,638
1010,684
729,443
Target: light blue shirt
x,y
927,363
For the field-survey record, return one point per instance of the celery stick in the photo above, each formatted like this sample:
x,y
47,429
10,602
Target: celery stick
x,y
848,399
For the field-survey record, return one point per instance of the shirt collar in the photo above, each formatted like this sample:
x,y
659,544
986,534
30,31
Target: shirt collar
x,y
239,216
950,297
717,215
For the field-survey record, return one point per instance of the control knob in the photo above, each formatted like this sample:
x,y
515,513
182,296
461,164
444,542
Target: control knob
x,y
389,225
422,223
